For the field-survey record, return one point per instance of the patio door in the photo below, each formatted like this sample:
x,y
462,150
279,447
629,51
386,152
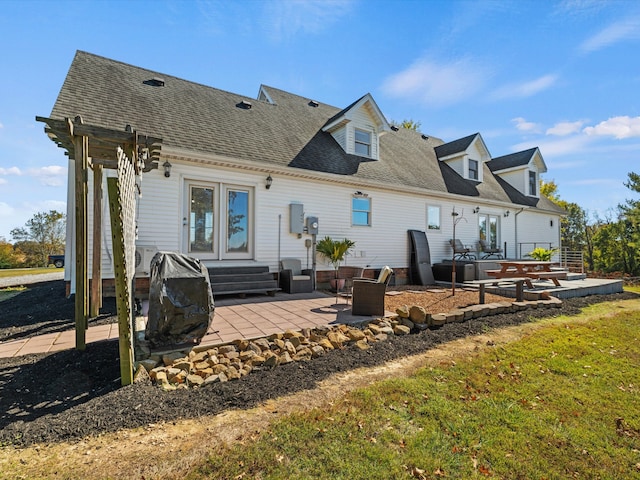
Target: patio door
x,y
488,229
219,221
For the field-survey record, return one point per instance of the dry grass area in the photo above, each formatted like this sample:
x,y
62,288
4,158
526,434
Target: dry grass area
x,y
434,299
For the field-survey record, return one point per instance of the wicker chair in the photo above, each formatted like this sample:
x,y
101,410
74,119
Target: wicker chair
x,y
293,279
488,251
368,294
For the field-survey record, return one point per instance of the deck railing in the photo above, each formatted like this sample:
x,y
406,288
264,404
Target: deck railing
x,y
572,260
525,247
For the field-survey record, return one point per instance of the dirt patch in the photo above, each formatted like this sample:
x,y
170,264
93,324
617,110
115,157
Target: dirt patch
x,y
71,394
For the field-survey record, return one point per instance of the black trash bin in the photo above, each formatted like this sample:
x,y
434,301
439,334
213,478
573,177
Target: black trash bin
x,y
181,304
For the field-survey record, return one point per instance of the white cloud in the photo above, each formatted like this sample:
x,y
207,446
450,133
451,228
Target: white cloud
x,y
524,126
617,127
525,89
562,129
565,146
3,181
1,125
52,175
286,18
437,84
628,29
10,171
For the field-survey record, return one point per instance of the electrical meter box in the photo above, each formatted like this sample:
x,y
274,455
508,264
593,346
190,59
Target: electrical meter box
x,y
312,225
296,218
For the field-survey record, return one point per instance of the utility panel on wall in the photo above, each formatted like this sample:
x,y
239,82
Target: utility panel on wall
x,y
296,218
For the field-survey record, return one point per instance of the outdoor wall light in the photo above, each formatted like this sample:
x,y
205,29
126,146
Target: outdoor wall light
x,y
268,182
476,210
506,214
360,194
167,169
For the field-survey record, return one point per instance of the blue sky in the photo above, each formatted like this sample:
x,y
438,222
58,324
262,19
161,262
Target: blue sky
x,y
563,76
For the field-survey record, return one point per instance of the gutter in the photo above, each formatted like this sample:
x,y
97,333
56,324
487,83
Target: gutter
x,y
516,227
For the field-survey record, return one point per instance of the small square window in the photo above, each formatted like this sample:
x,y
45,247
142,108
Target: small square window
x,y
433,217
363,143
473,169
361,211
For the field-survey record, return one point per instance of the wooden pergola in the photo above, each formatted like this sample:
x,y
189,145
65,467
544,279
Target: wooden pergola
x,y
96,148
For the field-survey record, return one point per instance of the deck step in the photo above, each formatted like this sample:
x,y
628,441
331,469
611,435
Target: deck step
x,y
242,280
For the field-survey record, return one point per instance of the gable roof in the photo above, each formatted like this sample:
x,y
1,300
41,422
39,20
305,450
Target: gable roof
x,y
513,160
285,132
456,146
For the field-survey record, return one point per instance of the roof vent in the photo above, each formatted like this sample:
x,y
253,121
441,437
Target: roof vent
x,y
424,137
394,128
313,103
244,104
154,82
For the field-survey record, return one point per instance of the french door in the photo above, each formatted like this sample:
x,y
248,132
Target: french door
x,y
488,229
219,221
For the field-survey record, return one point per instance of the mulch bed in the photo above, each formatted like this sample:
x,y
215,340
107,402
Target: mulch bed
x,y
72,394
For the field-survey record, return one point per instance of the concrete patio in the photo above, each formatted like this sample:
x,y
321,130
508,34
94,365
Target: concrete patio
x,y
262,315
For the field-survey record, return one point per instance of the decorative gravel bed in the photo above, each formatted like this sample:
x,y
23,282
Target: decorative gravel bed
x,y
71,394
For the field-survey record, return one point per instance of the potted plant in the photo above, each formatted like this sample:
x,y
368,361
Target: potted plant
x,y
542,254
334,251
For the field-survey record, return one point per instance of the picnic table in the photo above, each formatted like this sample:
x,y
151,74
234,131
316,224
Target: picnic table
x,y
530,269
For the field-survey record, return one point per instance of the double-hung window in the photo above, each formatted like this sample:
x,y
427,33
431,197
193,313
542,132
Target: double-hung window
x,y
363,143
533,182
473,169
361,211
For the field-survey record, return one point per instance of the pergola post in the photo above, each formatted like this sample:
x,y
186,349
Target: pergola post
x,y
96,264
81,144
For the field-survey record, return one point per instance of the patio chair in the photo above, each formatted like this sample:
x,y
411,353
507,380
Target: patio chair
x,y
293,279
349,274
460,251
368,294
488,251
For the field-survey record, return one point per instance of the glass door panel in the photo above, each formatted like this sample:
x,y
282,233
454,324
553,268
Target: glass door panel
x,y
238,223
202,219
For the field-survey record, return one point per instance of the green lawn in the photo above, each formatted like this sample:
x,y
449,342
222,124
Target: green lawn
x,y
16,272
564,402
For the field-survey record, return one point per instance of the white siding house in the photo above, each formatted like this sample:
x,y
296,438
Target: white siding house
x,y
362,178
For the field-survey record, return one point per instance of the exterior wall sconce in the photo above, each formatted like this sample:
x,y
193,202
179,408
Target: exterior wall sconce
x,y
360,194
506,214
268,182
476,210
167,169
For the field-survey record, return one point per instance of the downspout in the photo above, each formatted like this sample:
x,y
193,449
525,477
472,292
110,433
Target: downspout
x,y
516,229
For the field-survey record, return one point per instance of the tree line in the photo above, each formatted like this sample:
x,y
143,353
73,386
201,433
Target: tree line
x,y
43,235
610,243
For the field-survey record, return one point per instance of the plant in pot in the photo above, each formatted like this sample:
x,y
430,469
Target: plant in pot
x,y
334,251
542,254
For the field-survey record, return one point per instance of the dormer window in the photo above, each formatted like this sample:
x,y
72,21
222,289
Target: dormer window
x,y
363,143
533,184
473,169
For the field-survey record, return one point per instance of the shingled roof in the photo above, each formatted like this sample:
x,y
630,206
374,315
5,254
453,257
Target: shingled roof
x,y
518,159
456,146
286,132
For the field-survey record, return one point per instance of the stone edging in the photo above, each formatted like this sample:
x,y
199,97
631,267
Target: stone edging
x,y
232,361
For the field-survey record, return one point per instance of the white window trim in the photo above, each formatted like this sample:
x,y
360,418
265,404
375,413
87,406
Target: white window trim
x,y
221,190
356,142
434,230
369,212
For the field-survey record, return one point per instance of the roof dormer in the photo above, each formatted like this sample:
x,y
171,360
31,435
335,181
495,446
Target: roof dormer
x,y
358,128
521,170
465,156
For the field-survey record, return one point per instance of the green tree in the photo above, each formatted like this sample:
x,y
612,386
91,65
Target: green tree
x,y
42,235
9,256
410,124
